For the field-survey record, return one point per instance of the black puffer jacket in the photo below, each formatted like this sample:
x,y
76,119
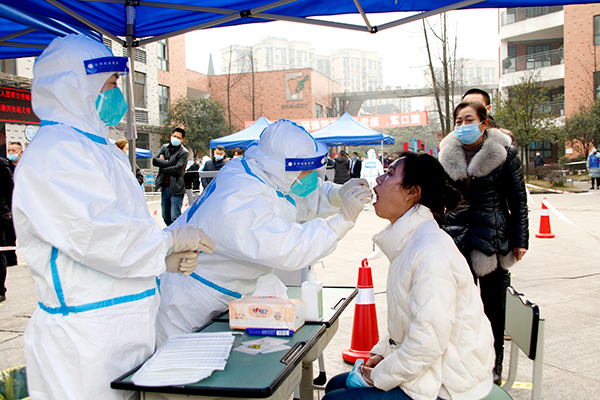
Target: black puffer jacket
x,y
492,217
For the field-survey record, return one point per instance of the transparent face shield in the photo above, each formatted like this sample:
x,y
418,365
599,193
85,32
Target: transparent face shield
x,y
308,190
110,103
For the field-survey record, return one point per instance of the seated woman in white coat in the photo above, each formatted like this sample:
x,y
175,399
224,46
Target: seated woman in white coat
x,y
439,342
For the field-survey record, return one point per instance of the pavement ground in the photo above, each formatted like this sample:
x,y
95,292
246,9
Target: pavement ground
x,y
561,275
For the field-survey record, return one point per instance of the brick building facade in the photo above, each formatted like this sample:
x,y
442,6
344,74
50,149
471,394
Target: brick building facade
x,y
293,94
580,52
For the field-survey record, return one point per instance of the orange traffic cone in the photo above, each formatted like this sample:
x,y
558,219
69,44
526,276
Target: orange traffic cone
x,y
545,231
364,331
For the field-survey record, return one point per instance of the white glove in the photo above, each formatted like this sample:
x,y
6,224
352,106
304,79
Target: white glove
x,y
182,261
354,201
190,238
337,192
352,204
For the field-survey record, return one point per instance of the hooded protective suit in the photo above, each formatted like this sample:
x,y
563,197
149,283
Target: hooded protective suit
x,y
249,213
86,234
371,168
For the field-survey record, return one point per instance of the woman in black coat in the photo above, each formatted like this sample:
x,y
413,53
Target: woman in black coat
x,y
490,225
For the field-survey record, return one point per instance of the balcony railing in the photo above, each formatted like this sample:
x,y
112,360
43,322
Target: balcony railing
x,y
532,61
513,15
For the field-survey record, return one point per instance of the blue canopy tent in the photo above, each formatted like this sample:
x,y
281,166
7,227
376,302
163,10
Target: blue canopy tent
x,y
26,34
135,23
139,153
243,138
348,131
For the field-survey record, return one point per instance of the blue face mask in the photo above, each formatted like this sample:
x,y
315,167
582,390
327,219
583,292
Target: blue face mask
x,y
175,142
111,106
355,378
305,186
468,134
127,153
218,158
12,157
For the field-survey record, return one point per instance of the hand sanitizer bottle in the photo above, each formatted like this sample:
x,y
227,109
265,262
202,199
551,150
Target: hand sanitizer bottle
x,y
312,295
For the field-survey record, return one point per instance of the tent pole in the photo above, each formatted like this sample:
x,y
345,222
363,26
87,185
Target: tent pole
x,y
232,17
426,14
16,34
362,13
131,128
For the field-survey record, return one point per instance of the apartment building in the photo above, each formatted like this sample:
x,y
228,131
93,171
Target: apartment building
x,y
355,70
534,40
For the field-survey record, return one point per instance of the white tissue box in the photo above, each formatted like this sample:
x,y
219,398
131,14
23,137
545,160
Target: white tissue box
x,y
259,312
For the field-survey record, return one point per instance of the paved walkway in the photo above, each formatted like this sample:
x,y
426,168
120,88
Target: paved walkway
x,y
561,275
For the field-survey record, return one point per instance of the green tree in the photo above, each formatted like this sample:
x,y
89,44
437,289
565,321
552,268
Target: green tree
x,y
522,110
582,128
202,119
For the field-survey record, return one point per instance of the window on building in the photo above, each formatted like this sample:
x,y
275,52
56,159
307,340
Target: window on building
x,y
141,117
107,42
143,142
597,30
328,112
268,57
538,56
543,146
8,66
597,85
284,56
163,103
163,55
277,54
318,111
139,55
139,82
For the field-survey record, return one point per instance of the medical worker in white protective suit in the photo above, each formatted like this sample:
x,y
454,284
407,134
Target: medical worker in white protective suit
x,y
251,210
85,232
371,169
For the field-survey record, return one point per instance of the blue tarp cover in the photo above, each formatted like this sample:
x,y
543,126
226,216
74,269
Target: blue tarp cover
x,y
348,131
243,138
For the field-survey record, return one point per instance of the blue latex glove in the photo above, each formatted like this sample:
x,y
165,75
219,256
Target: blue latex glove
x,y
355,377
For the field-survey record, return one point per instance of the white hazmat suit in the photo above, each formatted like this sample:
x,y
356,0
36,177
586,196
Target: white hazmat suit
x,y
249,213
371,168
86,234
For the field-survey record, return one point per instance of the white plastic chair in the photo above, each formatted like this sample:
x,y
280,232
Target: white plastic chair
x,y
526,329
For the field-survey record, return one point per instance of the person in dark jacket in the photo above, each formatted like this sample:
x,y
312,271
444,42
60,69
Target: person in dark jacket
x,y
490,225
214,164
14,151
355,166
171,159
342,168
192,179
6,189
123,144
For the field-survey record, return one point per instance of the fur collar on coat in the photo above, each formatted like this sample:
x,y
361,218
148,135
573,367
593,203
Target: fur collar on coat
x,y
491,155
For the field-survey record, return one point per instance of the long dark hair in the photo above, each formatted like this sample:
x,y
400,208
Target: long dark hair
x,y
423,170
